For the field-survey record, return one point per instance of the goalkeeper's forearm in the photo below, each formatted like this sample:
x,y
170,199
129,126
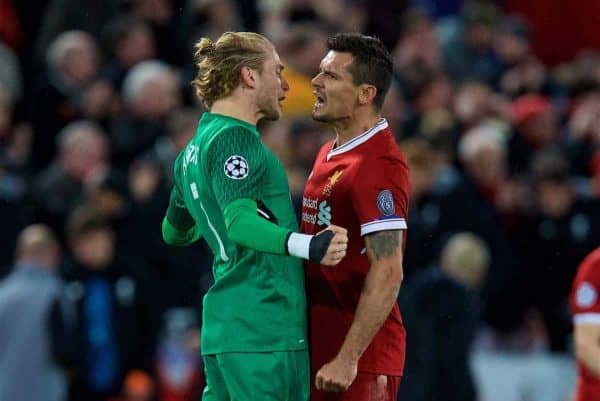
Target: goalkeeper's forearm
x,y
247,228
178,237
178,226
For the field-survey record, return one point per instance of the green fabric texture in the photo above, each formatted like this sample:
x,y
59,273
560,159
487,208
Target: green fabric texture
x,y
175,237
269,376
243,223
177,213
257,302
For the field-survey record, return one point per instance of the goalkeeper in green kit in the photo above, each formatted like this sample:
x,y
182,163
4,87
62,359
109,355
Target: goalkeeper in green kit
x,y
233,192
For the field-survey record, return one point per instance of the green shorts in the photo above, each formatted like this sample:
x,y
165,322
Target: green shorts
x,y
263,376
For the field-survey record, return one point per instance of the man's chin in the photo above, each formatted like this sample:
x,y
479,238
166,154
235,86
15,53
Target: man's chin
x,y
272,115
321,117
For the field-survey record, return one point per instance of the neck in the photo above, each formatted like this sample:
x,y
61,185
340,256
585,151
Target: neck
x,y
350,128
237,106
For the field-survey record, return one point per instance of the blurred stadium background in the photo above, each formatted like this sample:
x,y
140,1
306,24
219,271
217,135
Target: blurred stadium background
x,y
496,105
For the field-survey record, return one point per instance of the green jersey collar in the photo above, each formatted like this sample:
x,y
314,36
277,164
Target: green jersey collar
x,y
208,116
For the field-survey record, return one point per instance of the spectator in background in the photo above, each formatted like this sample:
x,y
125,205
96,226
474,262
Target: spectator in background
x,y
511,41
10,73
429,92
28,370
130,41
15,211
117,311
82,157
59,96
467,43
475,103
66,15
554,240
440,203
441,315
536,126
181,127
167,23
150,93
583,141
482,153
523,72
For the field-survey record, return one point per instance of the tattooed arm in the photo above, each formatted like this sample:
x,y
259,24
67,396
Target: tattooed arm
x,y
378,296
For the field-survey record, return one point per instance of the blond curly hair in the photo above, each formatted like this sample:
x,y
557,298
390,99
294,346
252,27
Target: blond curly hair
x,y
219,63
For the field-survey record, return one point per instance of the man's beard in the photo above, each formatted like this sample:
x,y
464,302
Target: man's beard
x,y
268,112
325,118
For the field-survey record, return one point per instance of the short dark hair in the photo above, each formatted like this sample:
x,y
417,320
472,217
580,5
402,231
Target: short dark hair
x,y
372,62
84,220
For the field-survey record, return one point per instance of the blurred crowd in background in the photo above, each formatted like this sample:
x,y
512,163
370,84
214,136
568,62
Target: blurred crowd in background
x,y
503,147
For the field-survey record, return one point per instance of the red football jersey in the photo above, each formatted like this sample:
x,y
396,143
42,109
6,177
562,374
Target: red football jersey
x,y
585,306
362,186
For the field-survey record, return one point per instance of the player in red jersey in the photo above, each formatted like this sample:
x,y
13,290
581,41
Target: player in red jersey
x,y
359,181
585,305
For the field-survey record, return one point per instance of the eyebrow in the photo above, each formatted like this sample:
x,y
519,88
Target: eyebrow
x,y
329,71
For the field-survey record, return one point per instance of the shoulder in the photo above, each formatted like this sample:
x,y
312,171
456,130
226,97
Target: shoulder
x,y
383,160
234,133
589,270
231,141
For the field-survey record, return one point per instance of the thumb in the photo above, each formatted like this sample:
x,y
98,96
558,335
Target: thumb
x,y
337,229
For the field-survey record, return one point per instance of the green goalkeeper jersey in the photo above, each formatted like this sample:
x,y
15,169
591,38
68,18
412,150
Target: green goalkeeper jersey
x,y
257,302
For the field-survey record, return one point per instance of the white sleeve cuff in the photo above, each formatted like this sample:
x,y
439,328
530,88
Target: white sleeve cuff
x,y
299,245
382,225
587,318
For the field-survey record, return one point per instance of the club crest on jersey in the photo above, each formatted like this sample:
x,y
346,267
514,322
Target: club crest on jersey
x,y
385,202
332,180
236,167
586,295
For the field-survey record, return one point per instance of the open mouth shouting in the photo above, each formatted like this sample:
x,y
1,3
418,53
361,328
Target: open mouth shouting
x,y
320,101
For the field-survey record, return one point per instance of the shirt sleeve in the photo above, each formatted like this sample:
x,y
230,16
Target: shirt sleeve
x,y
585,304
178,226
236,163
380,200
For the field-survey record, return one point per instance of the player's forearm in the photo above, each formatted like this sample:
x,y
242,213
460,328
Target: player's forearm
x,y
172,236
246,228
377,299
178,226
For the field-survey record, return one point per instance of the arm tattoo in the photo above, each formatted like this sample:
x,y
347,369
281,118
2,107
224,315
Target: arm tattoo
x,y
383,244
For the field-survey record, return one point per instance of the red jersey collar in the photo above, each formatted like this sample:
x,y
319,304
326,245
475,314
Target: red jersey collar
x,y
359,140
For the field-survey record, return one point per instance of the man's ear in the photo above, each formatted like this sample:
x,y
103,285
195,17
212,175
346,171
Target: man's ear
x,y
366,94
248,77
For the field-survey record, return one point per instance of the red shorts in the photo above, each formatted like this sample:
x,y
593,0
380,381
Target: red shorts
x,y
366,387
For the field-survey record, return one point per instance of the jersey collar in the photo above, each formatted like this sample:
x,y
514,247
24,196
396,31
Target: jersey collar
x,y
359,140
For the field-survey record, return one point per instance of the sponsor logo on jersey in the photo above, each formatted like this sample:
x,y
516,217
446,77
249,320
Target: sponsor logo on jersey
x,y
385,202
332,180
324,215
586,295
236,167
309,202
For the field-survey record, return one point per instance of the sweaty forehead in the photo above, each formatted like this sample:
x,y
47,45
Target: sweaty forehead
x,y
337,61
